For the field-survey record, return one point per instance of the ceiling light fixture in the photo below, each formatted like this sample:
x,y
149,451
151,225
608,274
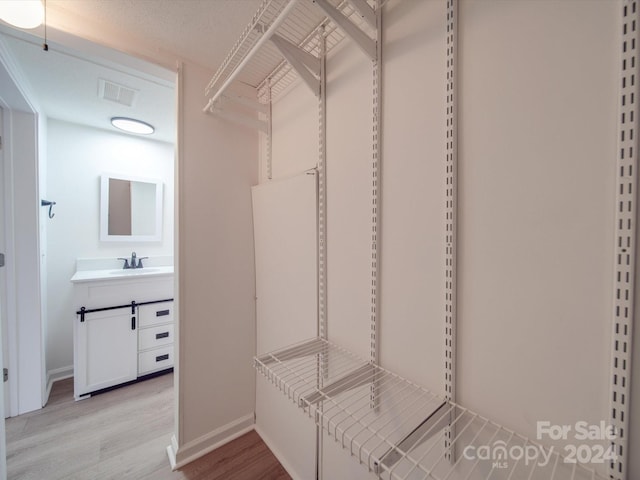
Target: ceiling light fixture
x,y
22,13
131,125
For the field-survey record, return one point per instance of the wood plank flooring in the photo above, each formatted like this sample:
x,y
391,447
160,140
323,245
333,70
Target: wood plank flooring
x,y
122,434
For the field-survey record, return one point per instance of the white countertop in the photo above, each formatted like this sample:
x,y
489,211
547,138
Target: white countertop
x,y
121,274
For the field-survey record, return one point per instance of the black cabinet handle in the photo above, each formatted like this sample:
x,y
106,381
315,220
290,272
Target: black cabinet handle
x,y
162,335
133,323
162,313
159,358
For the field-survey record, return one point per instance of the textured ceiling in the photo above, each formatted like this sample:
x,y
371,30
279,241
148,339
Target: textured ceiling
x,y
64,80
198,30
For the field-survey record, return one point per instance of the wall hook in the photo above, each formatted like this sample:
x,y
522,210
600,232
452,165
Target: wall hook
x,y
47,203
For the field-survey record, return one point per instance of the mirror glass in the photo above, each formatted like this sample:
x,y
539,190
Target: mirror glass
x,y
130,208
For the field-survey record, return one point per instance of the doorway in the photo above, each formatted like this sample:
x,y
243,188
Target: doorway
x,y
53,338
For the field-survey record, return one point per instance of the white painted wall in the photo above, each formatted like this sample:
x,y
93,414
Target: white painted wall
x,y
215,275
537,140
537,120
349,206
77,156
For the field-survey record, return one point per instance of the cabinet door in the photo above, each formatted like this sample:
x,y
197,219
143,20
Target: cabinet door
x,y
107,349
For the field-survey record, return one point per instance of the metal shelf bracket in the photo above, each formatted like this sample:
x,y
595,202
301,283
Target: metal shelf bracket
x,y
354,379
306,65
367,13
362,40
433,424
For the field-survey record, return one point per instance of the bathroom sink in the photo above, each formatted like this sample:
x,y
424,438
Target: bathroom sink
x,y
94,275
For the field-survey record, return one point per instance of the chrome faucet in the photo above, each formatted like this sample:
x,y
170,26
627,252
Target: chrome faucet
x,y
132,263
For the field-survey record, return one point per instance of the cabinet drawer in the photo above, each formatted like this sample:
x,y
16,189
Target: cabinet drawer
x,y
155,360
153,337
155,314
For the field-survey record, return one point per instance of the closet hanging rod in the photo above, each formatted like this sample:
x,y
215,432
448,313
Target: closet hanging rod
x,y
265,37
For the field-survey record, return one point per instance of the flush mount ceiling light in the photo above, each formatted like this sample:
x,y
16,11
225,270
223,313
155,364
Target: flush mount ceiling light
x,y
131,125
22,13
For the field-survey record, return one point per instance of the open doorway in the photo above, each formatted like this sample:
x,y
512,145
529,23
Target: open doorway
x,y
76,89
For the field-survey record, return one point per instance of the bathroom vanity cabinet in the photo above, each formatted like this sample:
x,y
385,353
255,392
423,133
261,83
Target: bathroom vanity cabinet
x,y
123,329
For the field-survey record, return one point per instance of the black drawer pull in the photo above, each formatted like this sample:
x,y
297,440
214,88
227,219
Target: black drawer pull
x,y
162,313
133,323
162,335
160,358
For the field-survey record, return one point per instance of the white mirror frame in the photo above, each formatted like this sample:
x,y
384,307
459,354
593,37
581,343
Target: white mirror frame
x,y
104,210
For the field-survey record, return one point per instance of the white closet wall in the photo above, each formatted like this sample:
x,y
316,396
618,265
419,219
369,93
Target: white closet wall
x,y
537,111
295,146
216,276
413,192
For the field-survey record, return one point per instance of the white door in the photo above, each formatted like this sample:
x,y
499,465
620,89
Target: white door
x,y
107,349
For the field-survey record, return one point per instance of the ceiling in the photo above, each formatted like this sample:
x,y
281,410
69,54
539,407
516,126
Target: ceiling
x,y
65,79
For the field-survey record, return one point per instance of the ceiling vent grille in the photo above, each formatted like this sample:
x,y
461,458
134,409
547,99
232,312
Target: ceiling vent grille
x,y
116,93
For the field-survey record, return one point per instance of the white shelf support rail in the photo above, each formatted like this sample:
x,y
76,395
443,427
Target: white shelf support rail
x,y
322,190
306,65
376,189
269,131
451,161
402,435
625,238
361,39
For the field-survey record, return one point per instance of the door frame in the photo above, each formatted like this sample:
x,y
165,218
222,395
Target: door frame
x,y
20,145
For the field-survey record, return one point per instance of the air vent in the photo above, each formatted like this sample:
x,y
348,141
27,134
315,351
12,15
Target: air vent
x,y
116,93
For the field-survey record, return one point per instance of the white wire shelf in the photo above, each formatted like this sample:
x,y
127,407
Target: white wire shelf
x,y
255,61
399,430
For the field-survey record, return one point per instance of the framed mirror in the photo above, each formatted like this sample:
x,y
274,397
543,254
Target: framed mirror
x,y
130,209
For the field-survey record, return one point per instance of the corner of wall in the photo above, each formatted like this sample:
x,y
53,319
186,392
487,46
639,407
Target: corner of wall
x,y
180,455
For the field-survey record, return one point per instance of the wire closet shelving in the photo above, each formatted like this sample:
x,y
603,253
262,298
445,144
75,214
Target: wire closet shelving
x,y
256,60
399,430
393,427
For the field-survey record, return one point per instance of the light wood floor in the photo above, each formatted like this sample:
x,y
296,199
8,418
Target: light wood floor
x,y
122,434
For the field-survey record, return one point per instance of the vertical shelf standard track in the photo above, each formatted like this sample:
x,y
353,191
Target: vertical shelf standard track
x,y
322,190
376,187
625,241
451,162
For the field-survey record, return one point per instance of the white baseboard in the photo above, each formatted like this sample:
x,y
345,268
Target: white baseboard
x,y
171,452
277,453
55,375
179,456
